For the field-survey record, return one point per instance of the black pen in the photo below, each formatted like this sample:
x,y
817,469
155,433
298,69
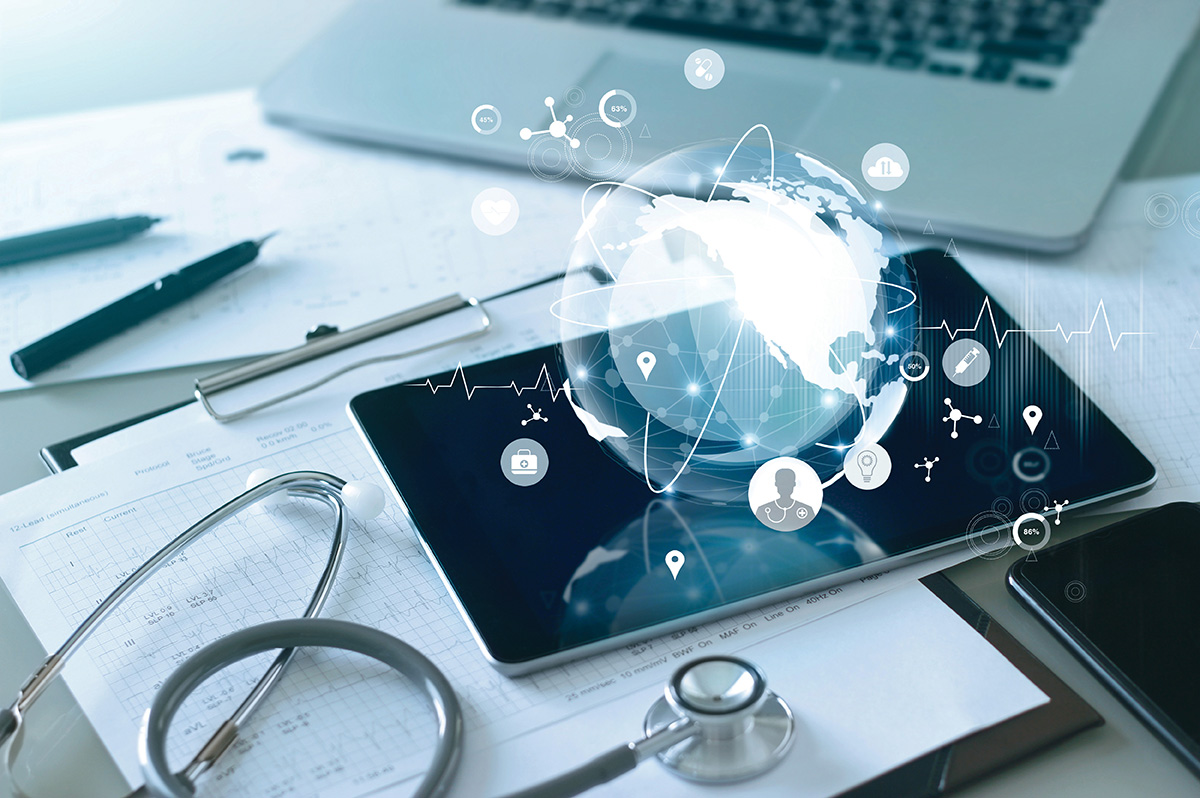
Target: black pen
x,y
73,239
132,309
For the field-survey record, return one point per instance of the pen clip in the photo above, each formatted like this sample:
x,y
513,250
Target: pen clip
x,y
328,341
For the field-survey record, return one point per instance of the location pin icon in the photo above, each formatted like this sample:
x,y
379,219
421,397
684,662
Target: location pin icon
x,y
674,560
646,361
1032,416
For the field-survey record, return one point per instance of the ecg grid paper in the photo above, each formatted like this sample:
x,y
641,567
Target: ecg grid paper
x,y
337,725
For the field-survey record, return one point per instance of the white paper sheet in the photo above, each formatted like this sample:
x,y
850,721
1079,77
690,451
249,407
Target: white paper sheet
x,y
336,727
364,231
871,686
1129,307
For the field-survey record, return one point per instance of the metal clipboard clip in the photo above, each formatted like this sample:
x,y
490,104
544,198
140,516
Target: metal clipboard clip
x,y
325,340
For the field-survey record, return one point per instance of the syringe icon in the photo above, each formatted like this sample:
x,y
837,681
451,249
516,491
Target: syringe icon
x,y
967,360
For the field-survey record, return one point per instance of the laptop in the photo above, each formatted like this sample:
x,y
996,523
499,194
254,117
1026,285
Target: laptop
x,y
1015,115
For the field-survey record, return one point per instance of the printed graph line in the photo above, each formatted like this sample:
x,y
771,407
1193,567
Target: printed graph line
x,y
543,382
986,310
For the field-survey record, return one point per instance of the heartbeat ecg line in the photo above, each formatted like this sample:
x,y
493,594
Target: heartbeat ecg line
x,y
543,379
986,309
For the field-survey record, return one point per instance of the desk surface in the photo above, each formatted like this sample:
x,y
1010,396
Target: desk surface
x,y
1119,759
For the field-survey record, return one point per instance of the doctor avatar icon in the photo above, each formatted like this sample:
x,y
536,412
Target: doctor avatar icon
x,y
524,462
785,494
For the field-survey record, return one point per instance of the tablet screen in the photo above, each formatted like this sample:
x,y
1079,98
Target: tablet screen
x,y
550,543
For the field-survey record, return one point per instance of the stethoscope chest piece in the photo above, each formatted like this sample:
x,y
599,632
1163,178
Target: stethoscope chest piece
x,y
742,728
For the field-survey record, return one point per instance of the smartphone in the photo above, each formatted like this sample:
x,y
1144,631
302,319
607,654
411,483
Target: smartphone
x,y
1126,600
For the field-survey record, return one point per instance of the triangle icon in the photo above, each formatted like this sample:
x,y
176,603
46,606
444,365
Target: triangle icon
x,y
645,134
929,229
1051,443
951,250
994,423
1195,341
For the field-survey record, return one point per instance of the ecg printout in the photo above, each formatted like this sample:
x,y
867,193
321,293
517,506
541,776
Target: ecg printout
x,y
364,231
60,561
1129,308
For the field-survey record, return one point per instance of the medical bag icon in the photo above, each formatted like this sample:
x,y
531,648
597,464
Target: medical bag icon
x,y
524,462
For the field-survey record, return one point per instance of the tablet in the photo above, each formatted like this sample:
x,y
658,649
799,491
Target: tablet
x,y
552,549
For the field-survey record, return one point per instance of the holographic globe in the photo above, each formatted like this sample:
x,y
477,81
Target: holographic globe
x,y
727,305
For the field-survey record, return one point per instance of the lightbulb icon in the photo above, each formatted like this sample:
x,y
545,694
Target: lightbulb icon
x,y
866,464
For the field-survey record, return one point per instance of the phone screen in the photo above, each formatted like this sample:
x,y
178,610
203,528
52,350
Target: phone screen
x,y
1130,594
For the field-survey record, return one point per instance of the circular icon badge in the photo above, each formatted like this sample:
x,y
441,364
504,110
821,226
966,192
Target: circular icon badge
x,y
986,536
574,96
1162,210
966,362
1075,591
785,494
486,119
494,211
618,108
1031,464
1031,532
914,367
885,167
704,69
524,462
1191,214
868,466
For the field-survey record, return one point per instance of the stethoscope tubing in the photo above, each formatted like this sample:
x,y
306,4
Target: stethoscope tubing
x,y
292,634
307,484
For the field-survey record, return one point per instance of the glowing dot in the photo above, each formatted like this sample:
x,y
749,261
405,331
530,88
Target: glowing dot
x,y
581,373
891,331
748,440
827,400
878,206
693,389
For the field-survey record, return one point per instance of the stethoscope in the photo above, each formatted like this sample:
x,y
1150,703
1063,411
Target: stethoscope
x,y
716,722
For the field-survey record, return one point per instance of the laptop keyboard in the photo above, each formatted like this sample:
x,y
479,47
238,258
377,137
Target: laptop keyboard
x,y
1024,43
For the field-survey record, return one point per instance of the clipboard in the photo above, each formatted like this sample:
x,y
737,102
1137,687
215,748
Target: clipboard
x,y
975,756
320,342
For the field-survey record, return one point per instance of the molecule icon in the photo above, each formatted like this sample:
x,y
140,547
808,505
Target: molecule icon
x,y
557,129
928,466
1058,508
537,415
956,416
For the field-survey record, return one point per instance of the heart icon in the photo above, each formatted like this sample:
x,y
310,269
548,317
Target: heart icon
x,y
495,211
